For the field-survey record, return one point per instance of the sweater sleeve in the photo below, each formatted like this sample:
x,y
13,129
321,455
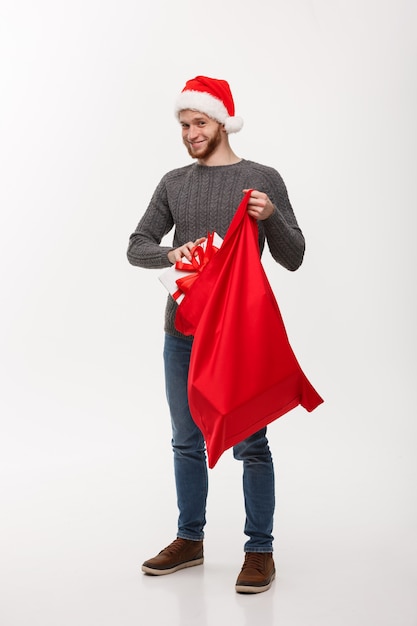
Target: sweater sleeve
x,y
144,248
285,239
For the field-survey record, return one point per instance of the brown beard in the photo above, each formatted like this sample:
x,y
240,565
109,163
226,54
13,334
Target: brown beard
x,y
211,146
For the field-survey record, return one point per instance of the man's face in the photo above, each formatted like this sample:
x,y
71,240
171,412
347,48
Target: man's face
x,y
201,134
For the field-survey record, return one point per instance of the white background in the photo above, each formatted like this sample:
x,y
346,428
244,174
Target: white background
x,y
327,89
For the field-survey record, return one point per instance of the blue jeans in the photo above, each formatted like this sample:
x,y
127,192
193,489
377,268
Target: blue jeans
x,y
190,463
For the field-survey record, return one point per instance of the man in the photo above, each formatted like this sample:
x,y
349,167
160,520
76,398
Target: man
x,y
194,200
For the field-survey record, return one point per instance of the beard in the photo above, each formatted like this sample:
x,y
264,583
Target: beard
x,y
209,147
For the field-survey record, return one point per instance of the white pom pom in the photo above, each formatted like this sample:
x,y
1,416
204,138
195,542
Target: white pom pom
x,y
233,124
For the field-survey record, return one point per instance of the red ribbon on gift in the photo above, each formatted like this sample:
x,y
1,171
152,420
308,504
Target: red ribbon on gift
x,y
199,258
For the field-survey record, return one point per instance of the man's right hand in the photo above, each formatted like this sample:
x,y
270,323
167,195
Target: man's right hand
x,y
184,251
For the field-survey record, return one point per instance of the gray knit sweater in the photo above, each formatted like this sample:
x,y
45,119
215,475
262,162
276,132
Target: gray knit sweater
x,y
198,199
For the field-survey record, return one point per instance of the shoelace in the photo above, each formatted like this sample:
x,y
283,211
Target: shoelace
x,y
254,560
174,547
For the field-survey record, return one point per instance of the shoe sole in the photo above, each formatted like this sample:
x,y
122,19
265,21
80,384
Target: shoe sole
x,y
162,572
254,589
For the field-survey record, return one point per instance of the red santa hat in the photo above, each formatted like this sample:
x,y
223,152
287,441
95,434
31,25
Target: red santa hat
x,y
212,97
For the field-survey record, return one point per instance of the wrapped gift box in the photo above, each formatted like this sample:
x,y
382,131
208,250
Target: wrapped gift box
x,y
170,276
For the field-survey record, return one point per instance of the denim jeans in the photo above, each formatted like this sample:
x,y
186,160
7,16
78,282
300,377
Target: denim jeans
x,y
190,465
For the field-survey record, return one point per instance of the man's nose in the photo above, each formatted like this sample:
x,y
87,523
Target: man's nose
x,y
192,133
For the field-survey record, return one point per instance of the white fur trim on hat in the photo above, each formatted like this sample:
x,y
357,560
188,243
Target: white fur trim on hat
x,y
211,106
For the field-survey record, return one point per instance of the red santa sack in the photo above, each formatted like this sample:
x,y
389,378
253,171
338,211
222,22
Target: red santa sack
x,y
243,373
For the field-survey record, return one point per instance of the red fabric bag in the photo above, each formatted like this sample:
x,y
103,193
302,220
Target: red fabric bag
x,y
243,373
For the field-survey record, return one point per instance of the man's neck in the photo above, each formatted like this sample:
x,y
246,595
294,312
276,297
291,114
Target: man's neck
x,y
223,156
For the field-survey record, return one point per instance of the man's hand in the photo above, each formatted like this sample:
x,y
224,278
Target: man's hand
x,y
185,250
259,205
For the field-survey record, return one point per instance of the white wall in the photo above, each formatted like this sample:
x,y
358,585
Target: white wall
x,y
328,93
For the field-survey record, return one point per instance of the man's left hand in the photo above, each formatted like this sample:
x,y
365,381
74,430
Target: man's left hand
x,y
260,206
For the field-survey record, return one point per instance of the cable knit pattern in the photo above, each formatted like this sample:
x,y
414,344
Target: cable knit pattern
x,y
198,199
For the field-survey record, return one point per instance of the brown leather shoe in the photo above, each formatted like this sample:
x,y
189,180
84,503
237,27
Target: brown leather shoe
x,y
257,573
179,554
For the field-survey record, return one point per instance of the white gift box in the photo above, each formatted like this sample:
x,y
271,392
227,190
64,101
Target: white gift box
x,y
169,277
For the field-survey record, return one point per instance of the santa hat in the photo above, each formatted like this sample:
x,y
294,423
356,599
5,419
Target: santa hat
x,y
212,97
